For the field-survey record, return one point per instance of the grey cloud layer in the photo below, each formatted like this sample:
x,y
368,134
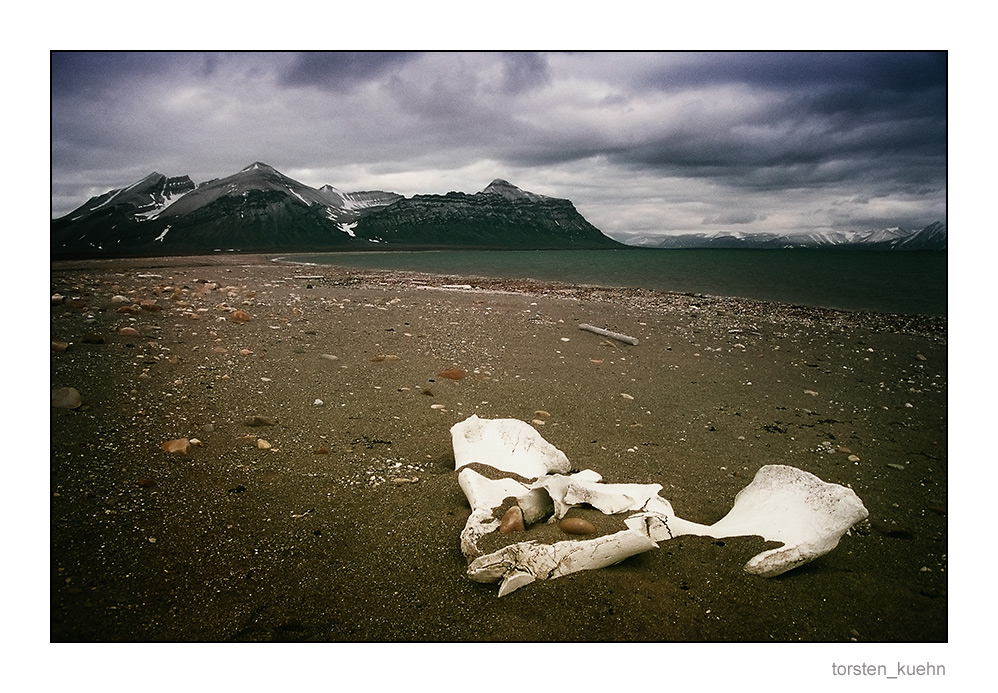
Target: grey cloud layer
x,y
641,142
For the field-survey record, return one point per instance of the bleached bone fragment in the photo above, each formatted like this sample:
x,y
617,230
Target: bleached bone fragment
x,y
522,563
784,504
507,444
484,495
536,506
795,507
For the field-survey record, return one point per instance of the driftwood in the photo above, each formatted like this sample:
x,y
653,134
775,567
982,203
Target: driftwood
x,y
607,333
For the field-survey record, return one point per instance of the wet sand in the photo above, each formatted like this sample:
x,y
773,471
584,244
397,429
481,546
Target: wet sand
x,y
346,528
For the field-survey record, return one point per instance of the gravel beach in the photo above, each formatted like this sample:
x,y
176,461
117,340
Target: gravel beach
x,y
315,497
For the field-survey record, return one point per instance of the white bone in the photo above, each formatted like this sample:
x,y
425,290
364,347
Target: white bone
x,y
507,444
785,504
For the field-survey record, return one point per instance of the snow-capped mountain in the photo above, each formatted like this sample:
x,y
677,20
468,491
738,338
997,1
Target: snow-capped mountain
x,y
931,237
259,209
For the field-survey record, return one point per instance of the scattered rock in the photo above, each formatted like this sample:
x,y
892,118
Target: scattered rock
x,y
512,521
891,529
128,332
258,420
576,525
626,396
537,422
57,299
146,483
66,398
240,316
245,352
436,406
853,458
321,451
129,310
454,373
263,444
150,305
541,414
60,346
811,392
843,448
400,481
896,466
179,446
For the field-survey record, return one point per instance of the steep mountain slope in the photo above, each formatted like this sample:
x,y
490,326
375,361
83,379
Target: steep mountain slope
x,y
260,209
256,209
500,216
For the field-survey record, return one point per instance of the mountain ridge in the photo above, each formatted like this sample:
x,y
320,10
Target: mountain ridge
x,y
930,237
259,209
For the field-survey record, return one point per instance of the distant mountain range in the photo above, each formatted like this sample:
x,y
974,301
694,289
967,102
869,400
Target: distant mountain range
x,y
259,209
932,237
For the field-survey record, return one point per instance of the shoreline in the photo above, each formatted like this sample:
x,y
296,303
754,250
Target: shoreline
x,y
908,322
312,538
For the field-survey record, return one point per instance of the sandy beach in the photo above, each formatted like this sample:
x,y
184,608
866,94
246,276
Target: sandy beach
x,y
318,500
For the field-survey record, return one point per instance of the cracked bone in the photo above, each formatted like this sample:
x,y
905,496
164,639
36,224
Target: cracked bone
x,y
785,504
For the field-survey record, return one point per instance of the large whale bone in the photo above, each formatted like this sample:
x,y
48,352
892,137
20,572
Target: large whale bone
x,y
788,505
785,504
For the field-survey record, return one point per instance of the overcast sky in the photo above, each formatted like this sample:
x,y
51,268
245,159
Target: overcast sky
x,y
640,142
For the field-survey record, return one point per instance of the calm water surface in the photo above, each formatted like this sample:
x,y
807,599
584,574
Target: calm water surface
x,y
888,282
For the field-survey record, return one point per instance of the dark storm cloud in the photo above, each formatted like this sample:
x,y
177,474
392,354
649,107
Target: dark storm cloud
x,y
651,142
524,71
342,69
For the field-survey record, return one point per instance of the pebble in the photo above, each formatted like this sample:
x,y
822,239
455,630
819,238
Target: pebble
x,y
811,392
576,525
146,483
241,316
541,414
179,446
436,406
66,398
258,420
626,396
896,466
537,422
128,332
245,352
150,305
853,458
263,444
453,373
60,346
512,521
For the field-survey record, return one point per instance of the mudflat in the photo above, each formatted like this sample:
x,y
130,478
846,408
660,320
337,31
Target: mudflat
x,y
317,501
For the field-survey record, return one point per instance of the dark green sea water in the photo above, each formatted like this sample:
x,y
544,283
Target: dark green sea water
x,y
881,281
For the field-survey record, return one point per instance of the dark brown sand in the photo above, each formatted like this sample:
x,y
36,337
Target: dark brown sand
x,y
346,528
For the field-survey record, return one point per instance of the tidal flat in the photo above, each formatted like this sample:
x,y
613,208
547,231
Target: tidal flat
x,y
343,523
